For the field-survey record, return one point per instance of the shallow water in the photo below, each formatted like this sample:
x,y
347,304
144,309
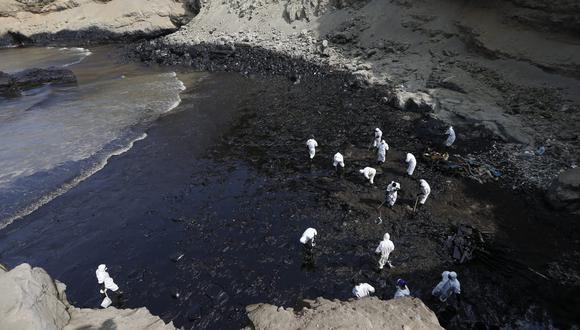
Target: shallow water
x,y
54,137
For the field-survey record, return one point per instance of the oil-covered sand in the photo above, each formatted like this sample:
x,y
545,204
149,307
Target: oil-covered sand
x,y
225,180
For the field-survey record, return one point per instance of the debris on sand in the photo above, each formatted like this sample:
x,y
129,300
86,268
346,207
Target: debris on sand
x,y
463,243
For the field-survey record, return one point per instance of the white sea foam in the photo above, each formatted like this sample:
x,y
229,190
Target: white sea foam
x,y
69,185
83,53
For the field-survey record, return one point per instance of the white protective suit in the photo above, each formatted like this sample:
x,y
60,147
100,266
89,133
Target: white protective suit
x,y
402,292
378,137
338,160
425,191
110,284
308,236
392,189
101,273
369,173
363,290
385,248
382,153
450,136
311,144
444,278
450,287
412,162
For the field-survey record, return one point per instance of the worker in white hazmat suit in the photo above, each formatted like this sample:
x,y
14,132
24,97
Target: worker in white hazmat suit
x,y
338,160
107,283
369,173
308,236
425,192
449,285
411,163
392,189
311,144
444,278
402,289
363,290
450,136
378,137
385,248
102,274
382,152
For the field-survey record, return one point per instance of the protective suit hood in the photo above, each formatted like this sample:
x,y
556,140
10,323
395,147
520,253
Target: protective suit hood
x,y
386,237
444,275
453,275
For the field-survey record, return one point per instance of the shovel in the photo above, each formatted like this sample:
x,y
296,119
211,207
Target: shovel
x,y
415,207
380,219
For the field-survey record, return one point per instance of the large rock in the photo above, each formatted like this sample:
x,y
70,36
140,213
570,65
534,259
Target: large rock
x,y
30,299
368,313
412,101
564,194
11,85
81,20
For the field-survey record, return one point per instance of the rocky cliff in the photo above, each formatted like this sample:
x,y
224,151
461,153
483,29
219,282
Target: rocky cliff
x,y
31,299
368,313
42,21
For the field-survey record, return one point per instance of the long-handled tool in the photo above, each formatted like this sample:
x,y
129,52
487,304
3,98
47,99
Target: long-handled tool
x,y
380,214
415,207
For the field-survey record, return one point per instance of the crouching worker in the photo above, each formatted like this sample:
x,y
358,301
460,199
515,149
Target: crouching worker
x,y
307,238
447,287
402,289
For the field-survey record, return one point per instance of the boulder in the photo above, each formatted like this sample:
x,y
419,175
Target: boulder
x,y
412,101
367,313
31,299
12,85
564,193
42,21
35,77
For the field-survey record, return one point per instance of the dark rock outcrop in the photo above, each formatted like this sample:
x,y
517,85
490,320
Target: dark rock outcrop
x,y
12,84
564,193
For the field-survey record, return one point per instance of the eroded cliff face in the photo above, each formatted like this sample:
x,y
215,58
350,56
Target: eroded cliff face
x,y
31,299
368,313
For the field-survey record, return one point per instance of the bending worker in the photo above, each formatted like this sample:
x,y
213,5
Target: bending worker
x,y
369,173
338,160
385,248
450,136
308,236
425,192
363,290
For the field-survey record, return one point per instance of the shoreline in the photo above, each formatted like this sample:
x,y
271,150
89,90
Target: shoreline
x,y
349,80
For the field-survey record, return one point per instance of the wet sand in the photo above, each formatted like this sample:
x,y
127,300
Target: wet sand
x,y
224,180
